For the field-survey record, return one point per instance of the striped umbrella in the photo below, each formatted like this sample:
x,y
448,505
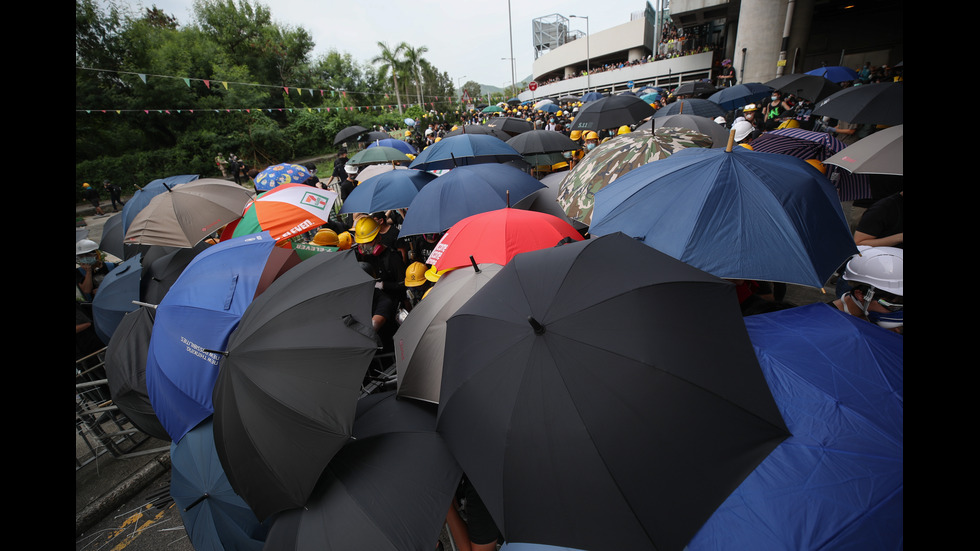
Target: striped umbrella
x,y
807,144
287,211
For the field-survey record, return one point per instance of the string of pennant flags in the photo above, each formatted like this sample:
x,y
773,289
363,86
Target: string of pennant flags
x,y
225,84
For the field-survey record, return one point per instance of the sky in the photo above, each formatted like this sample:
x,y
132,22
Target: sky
x,y
467,39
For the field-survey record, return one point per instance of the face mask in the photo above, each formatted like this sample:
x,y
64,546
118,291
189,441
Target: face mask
x,y
774,98
86,260
567,154
589,146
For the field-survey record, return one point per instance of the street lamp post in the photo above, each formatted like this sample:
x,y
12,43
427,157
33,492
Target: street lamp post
x,y
588,53
513,80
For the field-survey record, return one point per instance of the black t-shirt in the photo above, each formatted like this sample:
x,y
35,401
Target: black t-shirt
x,y
884,218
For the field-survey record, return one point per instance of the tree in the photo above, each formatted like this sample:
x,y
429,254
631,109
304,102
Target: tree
x,y
414,59
390,60
472,89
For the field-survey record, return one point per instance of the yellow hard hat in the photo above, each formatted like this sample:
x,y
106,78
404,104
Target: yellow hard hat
x,y
455,127
326,237
623,130
591,135
433,275
750,107
366,229
344,240
437,140
408,133
576,135
86,185
791,123
818,165
415,274
558,113
747,146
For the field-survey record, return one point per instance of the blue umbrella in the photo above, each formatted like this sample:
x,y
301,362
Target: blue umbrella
x,y
591,96
400,145
466,191
144,195
740,95
835,73
195,319
838,481
215,517
549,108
735,214
462,150
115,297
651,98
390,190
277,175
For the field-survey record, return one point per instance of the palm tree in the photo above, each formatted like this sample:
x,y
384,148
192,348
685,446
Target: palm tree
x,y
413,57
390,61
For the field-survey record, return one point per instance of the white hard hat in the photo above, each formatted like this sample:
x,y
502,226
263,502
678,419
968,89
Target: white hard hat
x,y
879,267
350,169
742,130
85,246
721,120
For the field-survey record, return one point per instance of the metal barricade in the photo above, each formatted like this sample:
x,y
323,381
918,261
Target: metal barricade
x,y
100,427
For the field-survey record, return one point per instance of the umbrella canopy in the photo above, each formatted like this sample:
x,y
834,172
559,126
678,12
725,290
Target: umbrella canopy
x,y
349,133
880,103
287,211
599,437
611,112
880,153
371,171
400,145
703,125
512,126
651,98
696,88
809,87
388,489
160,274
118,290
277,175
492,109
736,214
465,191
420,340
463,150
615,158
807,144
835,73
289,379
142,196
700,107
373,136
185,215
125,367
378,154
194,321
740,95
592,96
112,237
479,129
496,236
546,199
214,516
542,141
838,481
392,190
549,108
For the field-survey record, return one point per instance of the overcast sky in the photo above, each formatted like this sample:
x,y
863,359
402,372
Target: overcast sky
x,y
470,40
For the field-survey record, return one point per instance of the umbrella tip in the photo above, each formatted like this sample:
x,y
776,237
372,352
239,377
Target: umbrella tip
x,y
473,262
538,328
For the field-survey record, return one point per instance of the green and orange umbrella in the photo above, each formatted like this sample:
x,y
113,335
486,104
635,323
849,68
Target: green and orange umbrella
x,y
286,211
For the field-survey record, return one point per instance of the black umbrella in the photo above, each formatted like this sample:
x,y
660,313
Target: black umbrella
x,y
611,112
809,87
602,395
373,136
349,133
700,107
288,384
542,141
479,129
388,489
125,367
697,88
512,126
880,103
160,273
112,237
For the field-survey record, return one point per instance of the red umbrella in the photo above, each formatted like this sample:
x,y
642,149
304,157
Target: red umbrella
x,y
494,237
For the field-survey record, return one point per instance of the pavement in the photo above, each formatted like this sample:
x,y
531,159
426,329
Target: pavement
x,y
123,501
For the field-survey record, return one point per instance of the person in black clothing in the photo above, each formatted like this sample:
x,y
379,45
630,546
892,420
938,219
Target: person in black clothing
x,y
387,261
115,194
727,76
92,196
338,167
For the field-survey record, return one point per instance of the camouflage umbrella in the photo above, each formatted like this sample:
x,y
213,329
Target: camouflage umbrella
x,y
616,157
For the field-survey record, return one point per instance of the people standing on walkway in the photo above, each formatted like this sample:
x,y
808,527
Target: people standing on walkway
x,y
115,194
92,196
222,165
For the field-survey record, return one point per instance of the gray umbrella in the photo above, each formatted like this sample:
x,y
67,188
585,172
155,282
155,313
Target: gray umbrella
x,y
880,153
185,215
704,125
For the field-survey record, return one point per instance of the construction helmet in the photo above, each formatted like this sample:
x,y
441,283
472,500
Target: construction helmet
x,y
85,246
879,267
558,113
791,123
344,240
750,107
623,130
85,185
817,165
591,135
433,275
366,229
576,135
326,237
415,274
747,146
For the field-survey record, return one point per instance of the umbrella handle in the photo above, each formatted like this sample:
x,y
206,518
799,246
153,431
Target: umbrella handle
x,y
538,328
473,262
196,501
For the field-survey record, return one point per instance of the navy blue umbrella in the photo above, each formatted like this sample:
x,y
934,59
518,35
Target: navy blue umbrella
x,y
740,95
115,297
838,481
736,214
835,73
591,96
390,190
214,516
400,145
466,191
192,326
462,150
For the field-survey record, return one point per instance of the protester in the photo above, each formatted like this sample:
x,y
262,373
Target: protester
x,y
92,196
91,269
115,194
876,279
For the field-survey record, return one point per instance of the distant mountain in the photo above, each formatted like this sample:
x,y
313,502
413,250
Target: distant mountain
x,y
488,89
